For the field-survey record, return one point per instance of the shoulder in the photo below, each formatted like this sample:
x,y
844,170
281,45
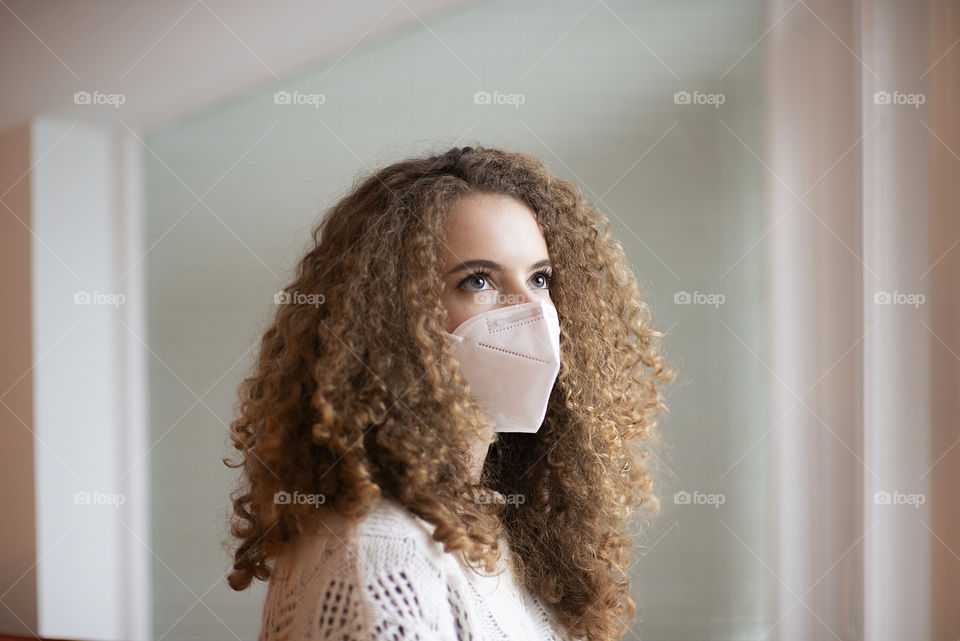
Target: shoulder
x,y
389,537
391,526
395,549
365,579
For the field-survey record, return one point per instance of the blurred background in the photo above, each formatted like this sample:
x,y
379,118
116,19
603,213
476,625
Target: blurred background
x,y
784,177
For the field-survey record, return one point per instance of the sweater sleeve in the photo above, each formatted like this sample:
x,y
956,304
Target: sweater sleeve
x,y
374,588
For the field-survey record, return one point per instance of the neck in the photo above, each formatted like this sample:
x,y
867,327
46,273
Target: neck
x,y
478,454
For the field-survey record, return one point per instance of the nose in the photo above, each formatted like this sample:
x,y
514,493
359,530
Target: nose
x,y
518,298
516,292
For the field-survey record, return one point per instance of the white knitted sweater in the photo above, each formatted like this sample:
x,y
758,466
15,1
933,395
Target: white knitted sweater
x,y
387,579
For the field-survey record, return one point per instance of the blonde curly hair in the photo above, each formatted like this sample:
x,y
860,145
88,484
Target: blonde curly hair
x,y
360,396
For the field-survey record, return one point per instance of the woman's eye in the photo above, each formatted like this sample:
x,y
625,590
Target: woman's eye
x,y
481,280
542,279
474,281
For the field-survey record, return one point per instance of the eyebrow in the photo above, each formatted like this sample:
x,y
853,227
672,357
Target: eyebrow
x,y
489,264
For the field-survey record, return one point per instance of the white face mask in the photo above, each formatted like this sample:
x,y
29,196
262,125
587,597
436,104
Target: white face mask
x,y
510,357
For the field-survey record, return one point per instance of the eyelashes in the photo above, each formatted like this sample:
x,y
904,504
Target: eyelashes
x,y
480,274
483,274
547,276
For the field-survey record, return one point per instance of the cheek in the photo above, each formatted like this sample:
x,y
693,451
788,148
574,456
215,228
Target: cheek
x,y
460,306
456,309
457,314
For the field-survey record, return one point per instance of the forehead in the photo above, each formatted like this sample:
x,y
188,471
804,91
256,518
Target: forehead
x,y
492,224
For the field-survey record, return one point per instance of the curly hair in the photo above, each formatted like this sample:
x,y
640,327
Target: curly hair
x,y
356,393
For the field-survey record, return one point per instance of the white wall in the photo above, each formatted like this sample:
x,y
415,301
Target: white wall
x,y
87,391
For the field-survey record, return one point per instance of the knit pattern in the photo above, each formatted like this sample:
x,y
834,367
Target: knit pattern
x,y
387,579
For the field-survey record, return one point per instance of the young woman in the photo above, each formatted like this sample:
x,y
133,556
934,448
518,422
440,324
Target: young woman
x,y
447,425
